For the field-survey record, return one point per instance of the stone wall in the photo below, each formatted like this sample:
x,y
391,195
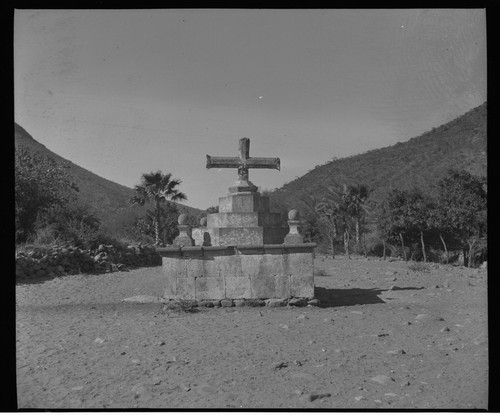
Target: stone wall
x,y
239,272
55,261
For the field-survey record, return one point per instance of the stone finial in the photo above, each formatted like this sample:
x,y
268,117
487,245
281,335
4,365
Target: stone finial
x,y
184,238
203,221
293,215
294,237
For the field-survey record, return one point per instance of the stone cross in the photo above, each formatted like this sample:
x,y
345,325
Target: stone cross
x,y
243,163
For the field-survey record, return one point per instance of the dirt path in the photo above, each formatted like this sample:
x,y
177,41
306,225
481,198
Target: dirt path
x,y
422,344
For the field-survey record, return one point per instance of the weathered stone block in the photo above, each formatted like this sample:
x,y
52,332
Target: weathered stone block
x,y
238,236
170,287
299,264
194,267
238,287
251,265
210,268
302,286
229,266
226,303
297,302
271,265
185,288
244,202
173,267
209,288
276,302
263,286
254,302
282,286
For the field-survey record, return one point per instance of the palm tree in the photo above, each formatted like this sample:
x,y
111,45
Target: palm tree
x,y
157,188
357,205
328,210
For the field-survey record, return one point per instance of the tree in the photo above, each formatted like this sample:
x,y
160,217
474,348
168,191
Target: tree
x,y
462,209
40,184
394,222
357,205
329,212
168,214
418,215
157,188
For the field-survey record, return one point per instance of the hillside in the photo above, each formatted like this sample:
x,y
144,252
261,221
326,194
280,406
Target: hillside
x,y
108,199
420,161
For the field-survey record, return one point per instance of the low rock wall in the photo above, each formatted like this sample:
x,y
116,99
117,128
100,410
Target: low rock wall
x,y
51,262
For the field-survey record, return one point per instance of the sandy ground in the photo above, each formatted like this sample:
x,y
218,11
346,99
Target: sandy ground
x,y
421,344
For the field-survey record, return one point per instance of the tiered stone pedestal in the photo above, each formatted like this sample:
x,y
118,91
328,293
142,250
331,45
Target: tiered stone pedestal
x,y
244,219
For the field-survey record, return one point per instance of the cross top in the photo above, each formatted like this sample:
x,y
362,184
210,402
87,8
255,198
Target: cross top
x,y
243,163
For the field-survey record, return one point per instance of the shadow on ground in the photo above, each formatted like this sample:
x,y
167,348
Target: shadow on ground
x,y
334,297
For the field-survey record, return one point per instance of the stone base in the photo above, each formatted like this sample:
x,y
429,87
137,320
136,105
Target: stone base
x,y
241,272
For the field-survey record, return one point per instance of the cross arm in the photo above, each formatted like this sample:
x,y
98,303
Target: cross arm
x,y
222,162
263,163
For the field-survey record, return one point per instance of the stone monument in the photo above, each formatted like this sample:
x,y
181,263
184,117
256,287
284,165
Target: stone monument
x,y
249,254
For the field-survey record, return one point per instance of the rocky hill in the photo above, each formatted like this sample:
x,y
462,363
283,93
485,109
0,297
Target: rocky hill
x,y
108,199
419,162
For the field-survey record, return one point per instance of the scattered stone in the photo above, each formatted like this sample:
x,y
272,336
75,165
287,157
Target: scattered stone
x,y
284,326
162,343
444,329
329,320
407,383
297,363
422,316
407,323
311,341
123,353
77,388
302,317
297,302
382,335
99,340
400,351
359,398
313,396
226,303
136,361
279,365
390,273
382,379
276,302
314,302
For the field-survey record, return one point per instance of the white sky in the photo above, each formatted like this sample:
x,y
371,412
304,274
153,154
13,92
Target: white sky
x,y
125,92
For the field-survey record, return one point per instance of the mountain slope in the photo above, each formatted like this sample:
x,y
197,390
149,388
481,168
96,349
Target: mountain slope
x,y
110,200
420,161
